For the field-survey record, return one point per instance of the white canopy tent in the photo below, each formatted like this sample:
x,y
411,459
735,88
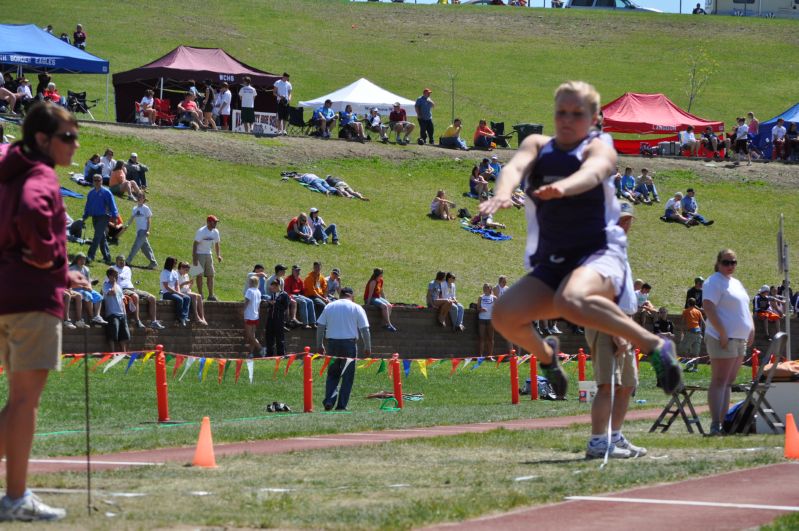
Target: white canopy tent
x,y
363,95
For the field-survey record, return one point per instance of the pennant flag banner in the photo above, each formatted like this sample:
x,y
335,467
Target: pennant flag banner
x,y
189,363
291,360
455,363
250,369
132,360
102,360
324,365
500,358
406,365
117,359
422,367
75,359
147,357
277,367
178,362
222,367
205,365
239,363
466,363
382,367
479,362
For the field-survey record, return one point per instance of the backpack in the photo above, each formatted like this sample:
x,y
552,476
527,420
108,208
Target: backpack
x,y
464,213
545,390
646,150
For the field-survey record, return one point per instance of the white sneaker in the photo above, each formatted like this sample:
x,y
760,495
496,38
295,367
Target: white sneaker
x,y
139,324
68,324
156,325
556,330
81,324
99,320
636,451
29,508
597,451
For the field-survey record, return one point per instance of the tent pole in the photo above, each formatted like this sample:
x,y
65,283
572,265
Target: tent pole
x,y
106,98
162,89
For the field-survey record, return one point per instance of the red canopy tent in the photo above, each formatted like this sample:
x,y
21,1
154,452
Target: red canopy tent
x,y
167,76
649,114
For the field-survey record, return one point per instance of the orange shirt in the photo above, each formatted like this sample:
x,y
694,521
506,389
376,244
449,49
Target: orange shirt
x,y
117,177
315,285
692,318
482,131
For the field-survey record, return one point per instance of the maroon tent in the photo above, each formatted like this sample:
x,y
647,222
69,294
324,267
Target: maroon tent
x,y
167,76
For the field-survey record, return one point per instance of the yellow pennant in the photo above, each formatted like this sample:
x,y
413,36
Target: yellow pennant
x,y
208,363
147,357
422,367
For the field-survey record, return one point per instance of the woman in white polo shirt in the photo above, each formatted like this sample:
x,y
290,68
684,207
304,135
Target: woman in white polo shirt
x,y
729,329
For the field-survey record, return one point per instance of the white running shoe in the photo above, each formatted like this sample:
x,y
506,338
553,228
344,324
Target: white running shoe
x,y
99,320
29,508
81,324
556,330
636,451
597,451
68,324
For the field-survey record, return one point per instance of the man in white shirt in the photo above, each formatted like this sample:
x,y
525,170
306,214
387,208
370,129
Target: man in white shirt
x,y
688,141
778,140
225,98
742,142
247,95
341,322
205,238
282,90
125,282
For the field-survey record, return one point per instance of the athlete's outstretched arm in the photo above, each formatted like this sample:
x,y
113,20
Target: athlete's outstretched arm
x,y
598,164
512,174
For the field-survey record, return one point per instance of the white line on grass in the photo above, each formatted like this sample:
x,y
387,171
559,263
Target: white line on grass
x,y
687,502
94,462
83,491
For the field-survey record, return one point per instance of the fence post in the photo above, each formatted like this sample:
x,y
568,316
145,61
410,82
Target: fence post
x,y
580,365
755,362
395,364
161,390
307,381
533,377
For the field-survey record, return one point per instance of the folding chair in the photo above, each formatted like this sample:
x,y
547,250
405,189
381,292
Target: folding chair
x,y
499,134
163,112
139,117
680,400
756,391
77,103
297,123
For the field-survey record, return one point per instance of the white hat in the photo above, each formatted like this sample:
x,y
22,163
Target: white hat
x,y
133,155
313,210
763,288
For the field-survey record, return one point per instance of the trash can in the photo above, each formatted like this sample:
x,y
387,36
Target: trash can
x,y
525,130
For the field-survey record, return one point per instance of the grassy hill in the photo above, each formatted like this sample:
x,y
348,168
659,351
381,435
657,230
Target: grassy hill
x,y
510,74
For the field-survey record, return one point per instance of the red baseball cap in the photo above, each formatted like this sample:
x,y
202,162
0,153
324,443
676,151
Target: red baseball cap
x,y
428,90
212,218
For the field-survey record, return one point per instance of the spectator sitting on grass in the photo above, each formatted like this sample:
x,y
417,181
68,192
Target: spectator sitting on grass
x,y
373,294
649,182
436,299
517,198
320,230
120,185
484,136
485,221
344,189
116,327
440,206
136,171
452,136
298,229
92,166
673,210
496,166
107,164
662,326
486,170
627,187
690,209
478,186
325,119
641,192
314,182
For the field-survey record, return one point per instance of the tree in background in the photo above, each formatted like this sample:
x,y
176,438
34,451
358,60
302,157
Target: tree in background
x,y
701,67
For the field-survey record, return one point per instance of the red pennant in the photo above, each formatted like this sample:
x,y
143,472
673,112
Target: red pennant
x,y
239,363
455,363
291,360
105,358
178,362
277,367
500,358
429,362
371,362
75,359
221,367
1,369
324,366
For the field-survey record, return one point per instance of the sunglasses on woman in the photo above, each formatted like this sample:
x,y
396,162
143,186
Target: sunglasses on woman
x,y
68,138
729,263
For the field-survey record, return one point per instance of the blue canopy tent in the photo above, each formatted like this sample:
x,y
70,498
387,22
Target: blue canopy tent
x,y
763,138
31,49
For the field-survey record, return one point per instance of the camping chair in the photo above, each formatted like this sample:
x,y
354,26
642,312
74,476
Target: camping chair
x,y
756,391
139,117
297,123
163,112
77,102
499,134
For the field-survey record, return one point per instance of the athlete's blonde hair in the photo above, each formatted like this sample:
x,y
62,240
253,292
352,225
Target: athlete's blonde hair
x,y
583,90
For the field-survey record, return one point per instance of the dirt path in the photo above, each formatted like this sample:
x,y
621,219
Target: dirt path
x,y
277,446
292,150
742,499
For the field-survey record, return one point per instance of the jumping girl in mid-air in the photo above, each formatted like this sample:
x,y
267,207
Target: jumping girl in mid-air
x,y
575,247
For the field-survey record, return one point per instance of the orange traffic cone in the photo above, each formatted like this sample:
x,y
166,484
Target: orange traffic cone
x,y
204,455
791,438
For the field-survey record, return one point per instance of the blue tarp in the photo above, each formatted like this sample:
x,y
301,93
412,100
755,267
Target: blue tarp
x,y
763,138
38,51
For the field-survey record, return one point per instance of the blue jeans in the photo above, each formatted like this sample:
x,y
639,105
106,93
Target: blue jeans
x,y
141,243
321,186
336,373
100,229
654,191
320,234
698,217
453,142
379,302
182,304
456,314
305,309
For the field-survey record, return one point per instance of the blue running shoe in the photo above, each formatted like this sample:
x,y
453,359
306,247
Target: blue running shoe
x,y
667,368
553,372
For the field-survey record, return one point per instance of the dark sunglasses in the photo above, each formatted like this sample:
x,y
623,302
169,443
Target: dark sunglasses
x,y
729,263
68,138
570,114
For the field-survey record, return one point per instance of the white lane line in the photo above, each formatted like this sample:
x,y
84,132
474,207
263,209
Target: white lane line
x,y
687,502
94,462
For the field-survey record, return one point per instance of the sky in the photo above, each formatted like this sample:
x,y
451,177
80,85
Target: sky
x,y
669,6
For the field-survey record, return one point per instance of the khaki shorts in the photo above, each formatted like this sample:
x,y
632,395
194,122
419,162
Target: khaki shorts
x,y
30,341
206,261
603,349
735,348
